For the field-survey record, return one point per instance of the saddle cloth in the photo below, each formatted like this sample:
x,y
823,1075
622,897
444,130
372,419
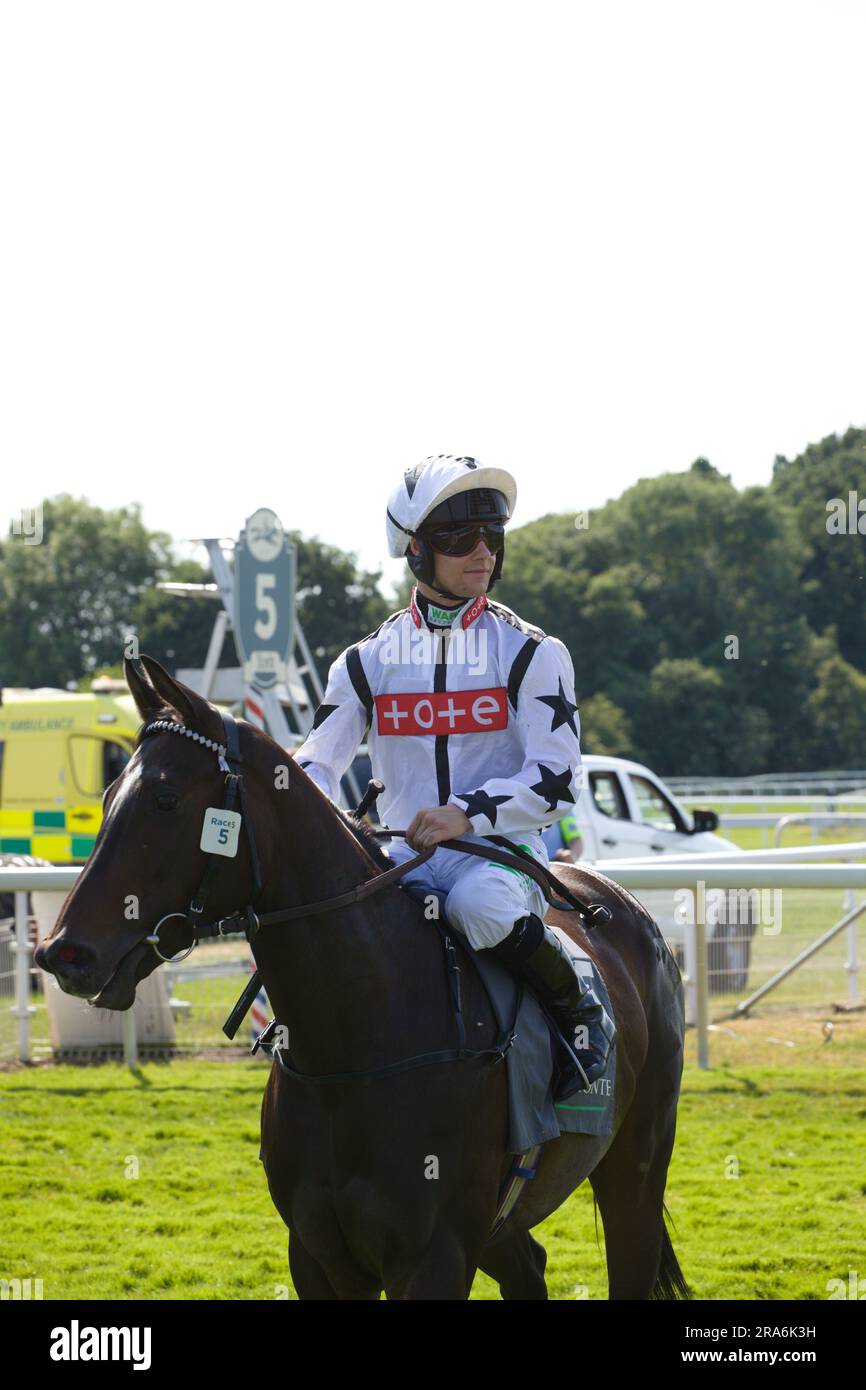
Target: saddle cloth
x,y
533,1118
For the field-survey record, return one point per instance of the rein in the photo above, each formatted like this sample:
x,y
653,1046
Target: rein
x,y
249,922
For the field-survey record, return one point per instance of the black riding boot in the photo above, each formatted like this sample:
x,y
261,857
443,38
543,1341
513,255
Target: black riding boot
x,y
536,955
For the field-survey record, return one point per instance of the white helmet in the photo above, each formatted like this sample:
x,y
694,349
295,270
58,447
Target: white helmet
x,y
427,485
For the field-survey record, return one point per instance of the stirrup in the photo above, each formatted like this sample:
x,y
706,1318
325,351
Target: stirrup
x,y
571,1078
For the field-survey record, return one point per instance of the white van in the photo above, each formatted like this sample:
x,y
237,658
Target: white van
x,y
626,811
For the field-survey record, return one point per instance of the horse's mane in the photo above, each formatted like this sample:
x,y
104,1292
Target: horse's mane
x,y
363,833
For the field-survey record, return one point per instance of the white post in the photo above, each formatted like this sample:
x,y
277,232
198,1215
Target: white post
x,y
691,973
851,963
22,948
214,652
702,974
130,1038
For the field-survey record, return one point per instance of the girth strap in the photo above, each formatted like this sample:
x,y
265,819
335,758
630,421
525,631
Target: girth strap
x,y
461,1053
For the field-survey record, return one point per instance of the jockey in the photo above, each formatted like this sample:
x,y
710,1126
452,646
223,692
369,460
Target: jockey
x,y
473,729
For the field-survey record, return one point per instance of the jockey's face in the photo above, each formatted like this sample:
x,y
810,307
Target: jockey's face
x,y
466,575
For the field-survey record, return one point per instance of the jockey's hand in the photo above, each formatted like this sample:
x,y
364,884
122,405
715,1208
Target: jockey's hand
x,y
436,823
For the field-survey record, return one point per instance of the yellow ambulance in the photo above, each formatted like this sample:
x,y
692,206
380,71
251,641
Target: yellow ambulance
x,y
58,753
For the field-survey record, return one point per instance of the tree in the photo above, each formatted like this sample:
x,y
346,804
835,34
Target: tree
x,y
339,603
836,710
831,563
177,630
68,604
604,727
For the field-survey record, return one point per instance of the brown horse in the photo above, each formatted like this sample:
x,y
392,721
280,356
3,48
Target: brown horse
x,y
385,1183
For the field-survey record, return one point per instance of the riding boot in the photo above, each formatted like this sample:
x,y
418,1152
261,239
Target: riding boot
x,y
536,955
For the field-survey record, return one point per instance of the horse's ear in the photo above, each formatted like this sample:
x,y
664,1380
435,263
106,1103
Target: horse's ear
x,y
147,700
192,708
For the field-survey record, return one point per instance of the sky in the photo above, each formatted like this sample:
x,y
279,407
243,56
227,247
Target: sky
x,y
274,254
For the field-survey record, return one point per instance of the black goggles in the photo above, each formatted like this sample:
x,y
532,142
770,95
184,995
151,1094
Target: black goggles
x,y
462,540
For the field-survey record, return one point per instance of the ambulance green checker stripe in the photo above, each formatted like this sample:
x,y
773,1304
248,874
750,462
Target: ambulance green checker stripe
x,y
40,820
80,846
15,839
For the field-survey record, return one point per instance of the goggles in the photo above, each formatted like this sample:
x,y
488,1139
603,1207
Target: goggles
x,y
462,540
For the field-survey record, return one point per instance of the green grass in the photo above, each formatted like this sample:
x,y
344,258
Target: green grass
x,y
804,916
198,1223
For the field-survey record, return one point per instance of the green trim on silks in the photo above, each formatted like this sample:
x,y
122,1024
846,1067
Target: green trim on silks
x,y
509,870
440,616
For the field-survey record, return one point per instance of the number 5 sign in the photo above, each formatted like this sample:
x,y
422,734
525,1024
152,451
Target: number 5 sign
x,y
264,599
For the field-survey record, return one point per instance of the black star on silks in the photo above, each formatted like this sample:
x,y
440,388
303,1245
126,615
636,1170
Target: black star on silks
x,y
322,713
563,710
480,804
553,787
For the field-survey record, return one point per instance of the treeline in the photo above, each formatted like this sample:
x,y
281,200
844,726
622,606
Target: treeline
x,y
69,604
712,630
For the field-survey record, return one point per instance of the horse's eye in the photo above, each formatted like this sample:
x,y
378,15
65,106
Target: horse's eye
x,y
167,801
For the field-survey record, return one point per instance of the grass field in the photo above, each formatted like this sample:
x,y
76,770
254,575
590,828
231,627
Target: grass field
x,y
758,837
197,1221
115,1185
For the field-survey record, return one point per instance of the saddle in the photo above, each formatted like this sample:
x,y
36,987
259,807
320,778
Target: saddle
x,y
494,975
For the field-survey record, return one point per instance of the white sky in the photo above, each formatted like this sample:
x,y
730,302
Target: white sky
x,y
273,254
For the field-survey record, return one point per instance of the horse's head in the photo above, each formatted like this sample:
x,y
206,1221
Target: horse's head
x,y
147,862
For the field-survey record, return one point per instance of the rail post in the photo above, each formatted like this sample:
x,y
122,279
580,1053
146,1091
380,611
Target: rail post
x,y
23,950
703,985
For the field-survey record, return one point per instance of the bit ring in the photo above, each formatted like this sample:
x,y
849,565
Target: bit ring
x,y
153,939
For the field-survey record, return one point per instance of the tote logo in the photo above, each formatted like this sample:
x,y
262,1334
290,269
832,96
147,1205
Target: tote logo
x,y
443,712
75,1343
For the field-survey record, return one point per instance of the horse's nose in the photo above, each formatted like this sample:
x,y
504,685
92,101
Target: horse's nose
x,y
74,966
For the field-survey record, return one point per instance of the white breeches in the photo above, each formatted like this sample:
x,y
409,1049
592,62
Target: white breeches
x,y
484,899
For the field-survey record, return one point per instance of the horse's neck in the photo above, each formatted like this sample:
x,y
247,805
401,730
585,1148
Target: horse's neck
x,y
337,979
310,851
